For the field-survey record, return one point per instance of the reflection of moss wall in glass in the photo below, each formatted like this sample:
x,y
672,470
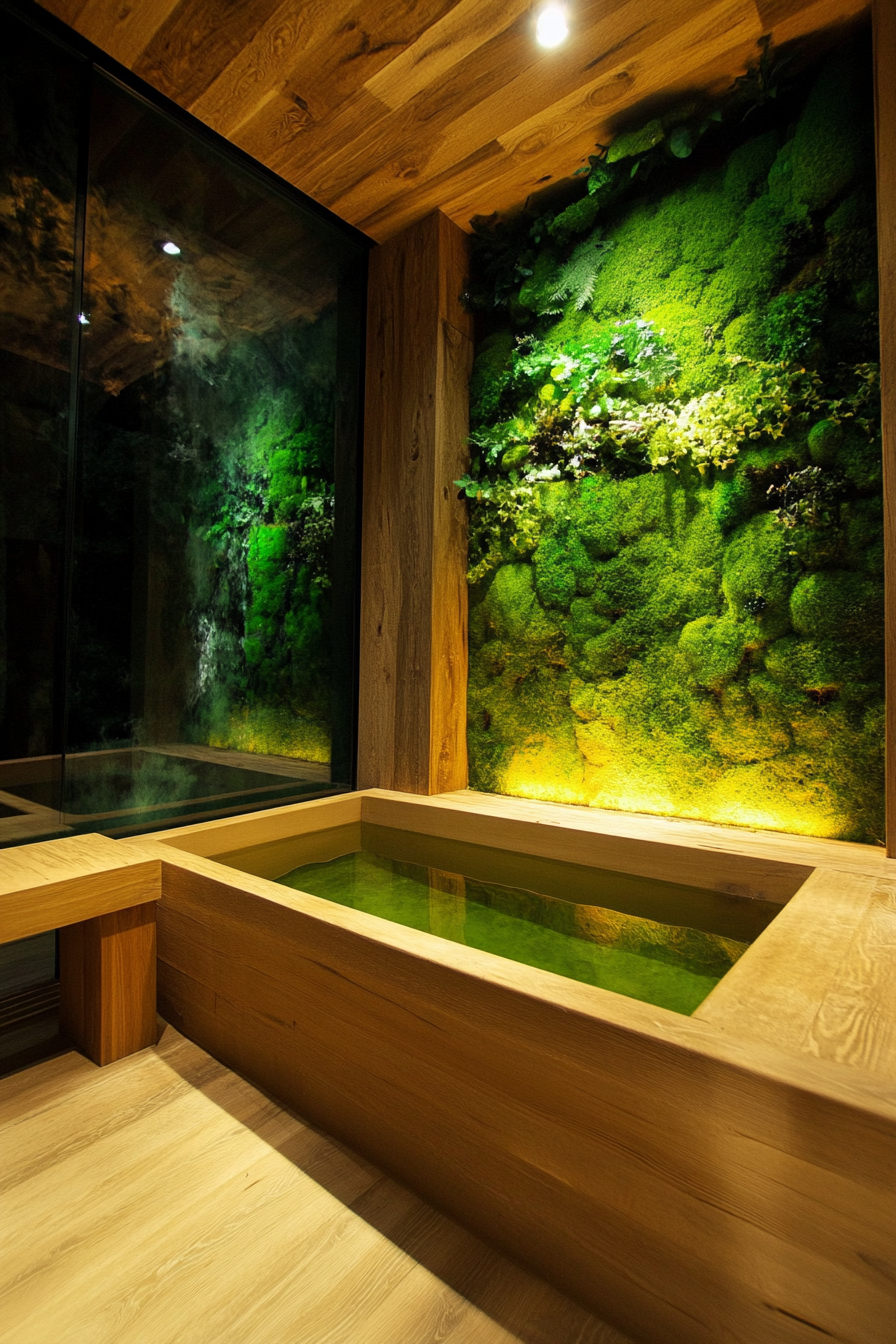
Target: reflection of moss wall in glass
x,y
265,522
676,516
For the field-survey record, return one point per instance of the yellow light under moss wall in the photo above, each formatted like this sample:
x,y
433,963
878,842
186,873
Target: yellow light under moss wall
x,y
540,771
273,731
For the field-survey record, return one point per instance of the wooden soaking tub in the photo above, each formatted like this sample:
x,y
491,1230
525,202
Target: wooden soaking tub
x,y
727,1176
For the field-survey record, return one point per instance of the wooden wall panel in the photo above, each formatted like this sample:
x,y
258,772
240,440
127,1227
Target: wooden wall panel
x,y
692,1189
885,118
412,713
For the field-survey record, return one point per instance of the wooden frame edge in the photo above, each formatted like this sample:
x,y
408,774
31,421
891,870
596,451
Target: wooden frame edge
x,y
884,29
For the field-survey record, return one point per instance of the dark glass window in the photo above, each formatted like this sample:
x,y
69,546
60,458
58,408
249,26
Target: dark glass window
x,y
41,100
178,572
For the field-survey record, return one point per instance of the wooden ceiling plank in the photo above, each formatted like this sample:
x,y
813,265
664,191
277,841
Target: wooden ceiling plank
x,y
67,11
727,24
511,60
197,40
261,69
442,47
329,75
368,136
285,150
124,30
518,171
790,19
476,174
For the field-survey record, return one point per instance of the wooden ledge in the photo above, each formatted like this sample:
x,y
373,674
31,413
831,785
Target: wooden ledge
x,y
102,898
54,883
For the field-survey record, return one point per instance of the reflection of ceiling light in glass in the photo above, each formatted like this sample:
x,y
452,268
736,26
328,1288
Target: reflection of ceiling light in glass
x,y
172,249
84,319
552,26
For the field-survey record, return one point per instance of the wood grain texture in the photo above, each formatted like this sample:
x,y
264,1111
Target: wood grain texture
x,y
166,1199
256,828
822,977
59,882
412,709
769,864
688,1184
385,110
885,127
101,896
107,983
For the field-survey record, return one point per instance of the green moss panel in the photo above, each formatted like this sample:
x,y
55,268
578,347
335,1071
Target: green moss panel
x,y
261,531
676,584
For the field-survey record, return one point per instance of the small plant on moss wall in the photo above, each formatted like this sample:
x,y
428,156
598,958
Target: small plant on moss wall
x,y
578,275
763,81
508,528
610,405
811,496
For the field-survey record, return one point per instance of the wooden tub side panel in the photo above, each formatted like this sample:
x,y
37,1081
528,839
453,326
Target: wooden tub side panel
x,y
688,1186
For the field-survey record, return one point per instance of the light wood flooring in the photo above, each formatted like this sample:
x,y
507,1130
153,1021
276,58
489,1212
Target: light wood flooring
x,y
165,1199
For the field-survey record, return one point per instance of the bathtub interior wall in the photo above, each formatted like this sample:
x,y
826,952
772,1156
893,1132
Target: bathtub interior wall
x,y
676,582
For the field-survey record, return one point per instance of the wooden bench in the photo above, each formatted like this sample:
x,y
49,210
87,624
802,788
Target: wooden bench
x,y
102,898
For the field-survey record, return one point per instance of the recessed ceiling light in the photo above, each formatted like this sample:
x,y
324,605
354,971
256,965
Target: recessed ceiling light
x,y
171,248
552,26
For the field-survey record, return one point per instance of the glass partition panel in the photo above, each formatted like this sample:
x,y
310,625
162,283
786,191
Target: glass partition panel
x,y
41,93
203,600
181,362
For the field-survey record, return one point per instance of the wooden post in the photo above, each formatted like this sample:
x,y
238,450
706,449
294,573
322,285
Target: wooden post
x,y
107,983
412,703
885,125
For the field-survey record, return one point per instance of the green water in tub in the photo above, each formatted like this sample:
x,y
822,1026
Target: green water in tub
x,y
657,941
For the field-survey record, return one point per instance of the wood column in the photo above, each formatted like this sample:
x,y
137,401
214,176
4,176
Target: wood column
x,y
885,125
107,983
412,703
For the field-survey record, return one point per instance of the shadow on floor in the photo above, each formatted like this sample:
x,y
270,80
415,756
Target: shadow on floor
x,y
524,1305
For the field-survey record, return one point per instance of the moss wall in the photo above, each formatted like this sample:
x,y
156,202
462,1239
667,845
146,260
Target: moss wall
x,y
261,542
676,518
213,475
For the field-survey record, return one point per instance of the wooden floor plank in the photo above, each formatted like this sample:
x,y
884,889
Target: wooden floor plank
x,y
163,1198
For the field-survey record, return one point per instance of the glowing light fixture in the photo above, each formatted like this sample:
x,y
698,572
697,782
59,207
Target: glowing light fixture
x,y
84,319
171,248
552,26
